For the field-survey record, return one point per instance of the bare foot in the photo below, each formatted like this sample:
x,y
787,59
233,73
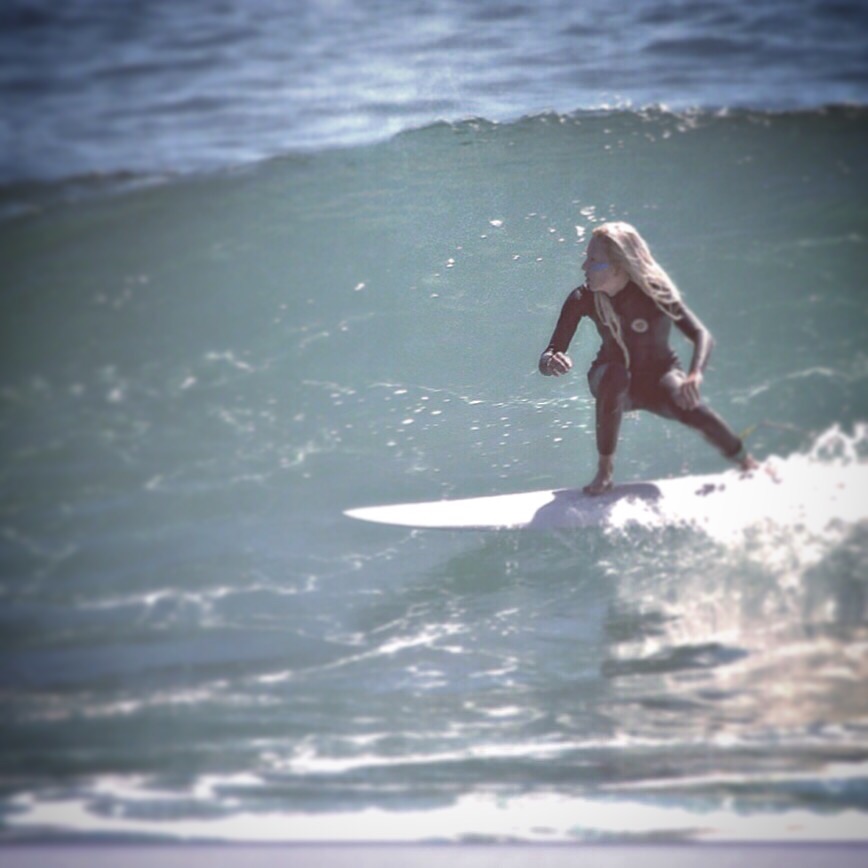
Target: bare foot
x,y
600,484
748,463
767,468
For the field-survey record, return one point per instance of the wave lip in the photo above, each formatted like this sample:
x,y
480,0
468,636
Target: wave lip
x,y
34,194
211,84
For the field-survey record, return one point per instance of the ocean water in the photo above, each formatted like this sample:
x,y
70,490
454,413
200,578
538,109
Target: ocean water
x,y
97,87
201,372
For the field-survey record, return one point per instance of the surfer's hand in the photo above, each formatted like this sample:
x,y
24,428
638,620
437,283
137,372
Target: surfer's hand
x,y
555,364
687,396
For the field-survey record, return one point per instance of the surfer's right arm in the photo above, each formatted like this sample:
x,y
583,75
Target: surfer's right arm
x,y
554,361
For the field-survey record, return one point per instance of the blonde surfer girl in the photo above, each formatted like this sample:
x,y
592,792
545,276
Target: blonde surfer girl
x,y
634,303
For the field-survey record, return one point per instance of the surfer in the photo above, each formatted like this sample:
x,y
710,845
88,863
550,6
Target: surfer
x,y
633,303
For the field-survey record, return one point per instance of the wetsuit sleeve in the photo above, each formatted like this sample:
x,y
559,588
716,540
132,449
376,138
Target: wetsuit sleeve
x,y
691,326
574,308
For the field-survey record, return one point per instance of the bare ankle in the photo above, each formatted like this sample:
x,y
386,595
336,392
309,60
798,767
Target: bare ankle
x,y
747,462
602,482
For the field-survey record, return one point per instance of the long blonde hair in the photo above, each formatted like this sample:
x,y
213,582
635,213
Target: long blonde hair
x,y
628,249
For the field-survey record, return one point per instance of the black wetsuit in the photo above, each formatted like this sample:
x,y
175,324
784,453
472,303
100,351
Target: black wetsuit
x,y
644,384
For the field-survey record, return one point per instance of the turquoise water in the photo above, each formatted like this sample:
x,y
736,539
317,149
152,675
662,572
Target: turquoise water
x,y
199,376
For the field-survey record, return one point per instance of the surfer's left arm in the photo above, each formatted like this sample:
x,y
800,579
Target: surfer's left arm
x,y
691,326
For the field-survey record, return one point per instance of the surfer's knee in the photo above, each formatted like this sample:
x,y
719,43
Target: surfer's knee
x,y
672,381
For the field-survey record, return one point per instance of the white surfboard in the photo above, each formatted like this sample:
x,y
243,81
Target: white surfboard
x,y
659,502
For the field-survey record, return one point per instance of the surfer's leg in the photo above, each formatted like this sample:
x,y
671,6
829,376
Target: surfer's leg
x,y
701,418
610,385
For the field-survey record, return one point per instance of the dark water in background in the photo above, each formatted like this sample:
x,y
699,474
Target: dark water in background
x,y
199,376
95,86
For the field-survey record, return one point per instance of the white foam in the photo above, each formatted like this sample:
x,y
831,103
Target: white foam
x,y
537,817
814,499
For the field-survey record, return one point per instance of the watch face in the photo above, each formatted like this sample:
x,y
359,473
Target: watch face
x,y
639,325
